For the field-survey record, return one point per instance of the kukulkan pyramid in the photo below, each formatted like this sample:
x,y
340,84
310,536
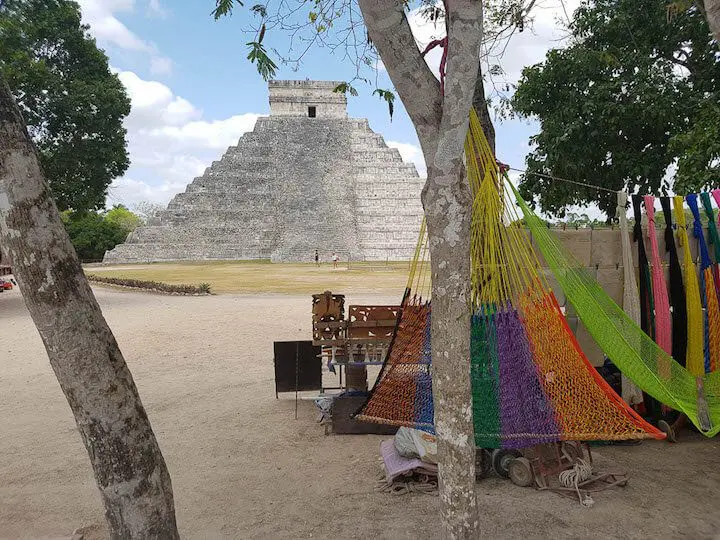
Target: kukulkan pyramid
x,y
307,177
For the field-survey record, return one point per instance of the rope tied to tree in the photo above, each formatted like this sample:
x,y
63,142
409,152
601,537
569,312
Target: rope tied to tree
x,y
443,60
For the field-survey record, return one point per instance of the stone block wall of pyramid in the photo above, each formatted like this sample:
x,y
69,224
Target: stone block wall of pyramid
x,y
307,177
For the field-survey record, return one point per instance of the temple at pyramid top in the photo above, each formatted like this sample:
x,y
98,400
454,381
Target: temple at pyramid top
x,y
311,99
306,178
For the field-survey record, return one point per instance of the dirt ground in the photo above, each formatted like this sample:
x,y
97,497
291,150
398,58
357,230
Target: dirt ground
x,y
243,467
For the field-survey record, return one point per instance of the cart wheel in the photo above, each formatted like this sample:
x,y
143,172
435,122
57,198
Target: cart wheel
x,y
483,463
520,472
501,459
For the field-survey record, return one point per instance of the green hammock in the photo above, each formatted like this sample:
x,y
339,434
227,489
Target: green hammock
x,y
636,355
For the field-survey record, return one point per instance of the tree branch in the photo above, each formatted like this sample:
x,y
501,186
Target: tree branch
x,y
481,107
464,24
418,88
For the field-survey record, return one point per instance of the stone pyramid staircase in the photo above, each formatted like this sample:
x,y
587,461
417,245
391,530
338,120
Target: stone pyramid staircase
x,y
289,187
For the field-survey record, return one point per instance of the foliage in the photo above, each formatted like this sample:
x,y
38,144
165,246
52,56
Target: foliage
x,y
92,235
156,286
73,105
633,93
124,218
258,55
698,149
580,221
205,288
224,7
388,97
345,88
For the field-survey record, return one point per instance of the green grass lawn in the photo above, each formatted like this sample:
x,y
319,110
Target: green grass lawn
x,y
266,277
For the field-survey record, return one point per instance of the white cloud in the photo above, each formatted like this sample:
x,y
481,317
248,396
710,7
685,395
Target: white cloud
x,y
154,105
156,9
130,192
424,32
110,31
169,142
107,29
160,65
218,134
412,154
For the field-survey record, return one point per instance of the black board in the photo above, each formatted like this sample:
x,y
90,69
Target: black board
x,y
297,360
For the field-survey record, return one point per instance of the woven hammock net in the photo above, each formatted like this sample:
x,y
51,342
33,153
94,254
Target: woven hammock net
x,y
531,382
691,391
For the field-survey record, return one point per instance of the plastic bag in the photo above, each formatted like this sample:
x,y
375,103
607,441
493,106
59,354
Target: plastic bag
x,y
426,445
405,443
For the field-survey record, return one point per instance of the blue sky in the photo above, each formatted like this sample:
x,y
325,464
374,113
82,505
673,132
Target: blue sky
x,y
193,92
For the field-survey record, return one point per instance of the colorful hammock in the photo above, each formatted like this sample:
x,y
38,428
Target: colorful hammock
x,y
629,348
663,325
677,289
531,381
695,331
631,297
707,289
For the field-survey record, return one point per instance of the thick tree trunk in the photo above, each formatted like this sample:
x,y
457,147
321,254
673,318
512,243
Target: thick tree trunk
x,y
442,123
448,204
712,12
447,210
129,469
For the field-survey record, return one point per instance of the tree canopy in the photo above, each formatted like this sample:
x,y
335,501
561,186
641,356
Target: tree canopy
x,y
122,217
631,103
73,105
93,233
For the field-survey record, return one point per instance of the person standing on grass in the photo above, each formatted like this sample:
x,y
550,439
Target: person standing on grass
x,y
335,259
317,258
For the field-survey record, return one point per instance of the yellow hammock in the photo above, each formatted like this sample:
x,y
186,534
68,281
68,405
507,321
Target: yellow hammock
x,y
531,381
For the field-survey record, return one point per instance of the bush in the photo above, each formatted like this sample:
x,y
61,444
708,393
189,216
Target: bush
x,y
157,286
92,235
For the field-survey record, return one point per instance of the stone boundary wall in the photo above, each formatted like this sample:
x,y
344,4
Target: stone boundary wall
x,y
600,251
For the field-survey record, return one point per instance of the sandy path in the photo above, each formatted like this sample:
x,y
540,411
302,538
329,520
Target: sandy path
x,y
241,465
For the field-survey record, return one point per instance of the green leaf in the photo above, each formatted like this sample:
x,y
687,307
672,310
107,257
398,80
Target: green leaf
x,y
258,55
223,8
387,96
345,88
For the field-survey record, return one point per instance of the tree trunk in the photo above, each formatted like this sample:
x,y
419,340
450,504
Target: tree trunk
x,y
448,205
129,469
712,13
481,107
442,123
447,210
